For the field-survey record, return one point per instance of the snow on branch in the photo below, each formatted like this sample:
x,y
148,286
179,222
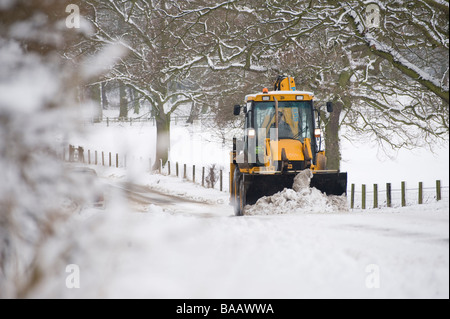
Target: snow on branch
x,y
386,49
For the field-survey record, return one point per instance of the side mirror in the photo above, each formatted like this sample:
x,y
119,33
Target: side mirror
x,y
237,110
329,107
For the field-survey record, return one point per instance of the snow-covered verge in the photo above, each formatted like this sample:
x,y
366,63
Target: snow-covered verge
x,y
385,253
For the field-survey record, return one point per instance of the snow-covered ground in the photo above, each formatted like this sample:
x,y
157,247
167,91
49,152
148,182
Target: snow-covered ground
x,y
152,252
201,250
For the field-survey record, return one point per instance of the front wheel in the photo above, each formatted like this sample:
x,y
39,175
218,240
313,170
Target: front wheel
x,y
235,191
242,198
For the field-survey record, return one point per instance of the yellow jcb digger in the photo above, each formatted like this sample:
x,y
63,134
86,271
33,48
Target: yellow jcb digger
x,y
280,140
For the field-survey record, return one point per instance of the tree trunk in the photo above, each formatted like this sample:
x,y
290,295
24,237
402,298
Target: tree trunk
x,y
105,102
162,140
332,140
134,99
136,103
95,95
123,113
193,115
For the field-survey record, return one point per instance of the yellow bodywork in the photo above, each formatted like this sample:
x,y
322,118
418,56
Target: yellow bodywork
x,y
295,150
287,92
281,96
270,164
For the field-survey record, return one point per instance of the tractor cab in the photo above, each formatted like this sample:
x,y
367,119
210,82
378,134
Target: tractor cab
x,y
279,132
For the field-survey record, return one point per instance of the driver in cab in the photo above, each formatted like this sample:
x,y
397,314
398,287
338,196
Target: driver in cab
x,y
284,129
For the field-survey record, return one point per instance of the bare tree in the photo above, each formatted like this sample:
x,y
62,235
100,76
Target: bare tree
x,y
388,79
148,29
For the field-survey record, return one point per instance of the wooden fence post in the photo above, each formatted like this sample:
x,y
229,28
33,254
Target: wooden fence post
x,y
375,195
81,150
352,197
117,160
203,176
176,168
89,157
193,173
388,195
363,199
420,201
168,168
184,171
109,159
103,158
221,180
403,194
96,159
438,190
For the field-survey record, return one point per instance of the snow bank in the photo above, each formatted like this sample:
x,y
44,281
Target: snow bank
x,y
300,199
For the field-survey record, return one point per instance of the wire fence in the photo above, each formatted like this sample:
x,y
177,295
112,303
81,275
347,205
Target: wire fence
x,y
146,119
208,176
374,197
214,176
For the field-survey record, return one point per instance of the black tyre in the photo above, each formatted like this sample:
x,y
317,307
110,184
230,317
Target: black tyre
x,y
235,191
242,197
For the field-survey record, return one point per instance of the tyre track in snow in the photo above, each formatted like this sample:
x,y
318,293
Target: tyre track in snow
x,y
144,195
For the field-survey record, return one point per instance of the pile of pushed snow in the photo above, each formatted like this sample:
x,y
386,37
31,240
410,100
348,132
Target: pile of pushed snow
x,y
300,199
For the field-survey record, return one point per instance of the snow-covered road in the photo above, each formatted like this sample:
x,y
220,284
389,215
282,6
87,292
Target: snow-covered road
x,y
170,252
141,197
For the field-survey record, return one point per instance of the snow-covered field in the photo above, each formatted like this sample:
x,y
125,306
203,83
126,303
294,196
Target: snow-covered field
x,y
193,145
201,250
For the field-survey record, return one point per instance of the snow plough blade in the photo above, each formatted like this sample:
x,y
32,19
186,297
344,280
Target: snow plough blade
x,y
330,183
258,186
